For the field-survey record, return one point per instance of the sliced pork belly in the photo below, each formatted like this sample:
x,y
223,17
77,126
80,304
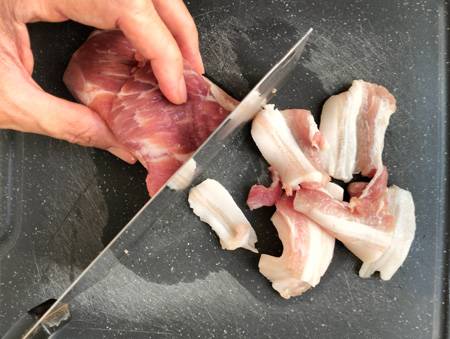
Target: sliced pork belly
x,y
215,206
400,205
377,107
291,153
307,252
369,225
354,124
105,75
261,195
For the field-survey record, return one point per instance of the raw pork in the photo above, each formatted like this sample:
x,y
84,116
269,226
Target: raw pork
x,y
378,224
261,195
354,124
307,252
290,144
215,206
105,75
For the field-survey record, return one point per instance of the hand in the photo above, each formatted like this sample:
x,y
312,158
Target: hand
x,y
161,30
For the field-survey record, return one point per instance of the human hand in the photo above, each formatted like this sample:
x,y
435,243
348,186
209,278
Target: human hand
x,y
161,30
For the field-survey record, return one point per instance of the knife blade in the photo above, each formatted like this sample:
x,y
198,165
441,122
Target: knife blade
x,y
260,95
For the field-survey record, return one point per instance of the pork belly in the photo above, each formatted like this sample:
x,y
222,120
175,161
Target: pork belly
x,y
214,205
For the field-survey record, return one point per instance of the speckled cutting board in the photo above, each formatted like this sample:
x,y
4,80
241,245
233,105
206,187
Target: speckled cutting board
x,y
61,204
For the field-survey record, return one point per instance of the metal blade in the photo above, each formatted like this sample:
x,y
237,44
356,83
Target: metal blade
x,y
152,211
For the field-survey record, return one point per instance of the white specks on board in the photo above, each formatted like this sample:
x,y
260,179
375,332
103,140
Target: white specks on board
x,y
336,61
124,295
219,54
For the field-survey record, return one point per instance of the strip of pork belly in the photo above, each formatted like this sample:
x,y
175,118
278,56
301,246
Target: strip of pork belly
x,y
376,109
354,123
307,252
105,75
338,123
278,145
401,205
365,226
214,205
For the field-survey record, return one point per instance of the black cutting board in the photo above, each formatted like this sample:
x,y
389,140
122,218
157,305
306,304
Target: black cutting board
x,y
61,204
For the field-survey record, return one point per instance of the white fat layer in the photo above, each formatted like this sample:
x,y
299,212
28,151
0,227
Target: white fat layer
x,y
278,146
375,152
215,206
183,176
338,124
401,206
334,190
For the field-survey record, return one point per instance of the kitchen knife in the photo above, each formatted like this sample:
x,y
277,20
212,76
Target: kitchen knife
x,y
119,247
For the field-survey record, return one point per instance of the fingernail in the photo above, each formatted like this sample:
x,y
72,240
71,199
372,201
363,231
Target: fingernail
x,y
122,154
182,92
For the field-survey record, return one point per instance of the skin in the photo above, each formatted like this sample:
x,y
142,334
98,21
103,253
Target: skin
x,y
162,31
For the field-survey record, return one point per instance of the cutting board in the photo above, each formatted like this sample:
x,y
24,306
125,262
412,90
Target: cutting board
x,y
62,203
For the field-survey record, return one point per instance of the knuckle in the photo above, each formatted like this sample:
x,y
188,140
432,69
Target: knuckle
x,y
79,133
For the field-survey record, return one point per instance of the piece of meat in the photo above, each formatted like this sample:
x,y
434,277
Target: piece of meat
x,y
304,129
367,225
307,252
278,144
354,124
400,205
333,190
261,195
367,236
105,75
376,109
215,206
355,189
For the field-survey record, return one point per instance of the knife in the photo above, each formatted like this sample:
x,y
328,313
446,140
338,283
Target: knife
x,y
259,96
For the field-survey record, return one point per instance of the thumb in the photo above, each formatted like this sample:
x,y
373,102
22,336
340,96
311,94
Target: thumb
x,y
72,122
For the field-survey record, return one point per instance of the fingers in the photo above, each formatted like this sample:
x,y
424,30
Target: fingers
x,y
146,31
77,124
38,112
162,35
179,21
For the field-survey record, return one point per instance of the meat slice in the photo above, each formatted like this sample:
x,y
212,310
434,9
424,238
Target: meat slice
x,y
307,252
105,75
354,124
290,149
99,68
376,109
377,226
356,188
215,206
400,205
261,195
